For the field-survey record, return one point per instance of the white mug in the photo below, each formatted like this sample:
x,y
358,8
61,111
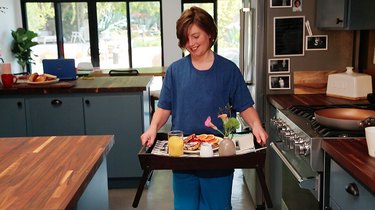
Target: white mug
x,y
206,150
370,140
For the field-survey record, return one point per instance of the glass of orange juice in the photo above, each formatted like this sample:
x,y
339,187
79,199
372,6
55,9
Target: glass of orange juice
x,y
175,143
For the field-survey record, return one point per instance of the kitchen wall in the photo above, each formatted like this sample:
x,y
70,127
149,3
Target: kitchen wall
x,y
10,19
337,57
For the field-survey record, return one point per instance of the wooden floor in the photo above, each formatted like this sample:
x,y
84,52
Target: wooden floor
x,y
159,196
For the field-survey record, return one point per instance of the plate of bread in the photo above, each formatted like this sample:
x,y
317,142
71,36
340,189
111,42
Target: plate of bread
x,y
41,79
193,142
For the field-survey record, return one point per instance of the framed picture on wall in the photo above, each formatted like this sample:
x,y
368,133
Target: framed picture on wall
x,y
279,82
297,6
288,34
280,3
281,65
317,42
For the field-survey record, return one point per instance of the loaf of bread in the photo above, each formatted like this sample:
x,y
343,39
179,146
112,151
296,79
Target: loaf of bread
x,y
35,77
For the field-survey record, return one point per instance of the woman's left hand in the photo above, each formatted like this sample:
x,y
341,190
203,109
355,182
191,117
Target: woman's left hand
x,y
260,135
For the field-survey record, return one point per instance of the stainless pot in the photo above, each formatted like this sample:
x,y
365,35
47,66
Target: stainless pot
x,y
345,118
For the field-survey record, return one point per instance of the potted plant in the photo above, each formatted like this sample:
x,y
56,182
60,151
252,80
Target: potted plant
x,y
21,46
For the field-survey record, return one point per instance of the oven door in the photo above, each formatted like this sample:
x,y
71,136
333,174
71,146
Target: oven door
x,y
298,165
300,184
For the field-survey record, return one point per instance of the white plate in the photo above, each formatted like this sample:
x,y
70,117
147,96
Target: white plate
x,y
43,83
198,150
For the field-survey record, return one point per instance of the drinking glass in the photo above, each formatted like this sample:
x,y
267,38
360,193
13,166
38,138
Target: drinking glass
x,y
175,143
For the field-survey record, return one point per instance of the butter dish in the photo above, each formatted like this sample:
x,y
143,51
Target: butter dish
x,y
349,85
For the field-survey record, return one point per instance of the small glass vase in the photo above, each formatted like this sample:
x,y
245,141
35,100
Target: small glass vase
x,y
227,147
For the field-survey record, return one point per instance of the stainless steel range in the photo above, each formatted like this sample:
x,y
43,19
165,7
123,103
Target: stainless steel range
x,y
299,143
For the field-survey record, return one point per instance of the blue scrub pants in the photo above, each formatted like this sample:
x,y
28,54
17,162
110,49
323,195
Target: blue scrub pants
x,y
192,192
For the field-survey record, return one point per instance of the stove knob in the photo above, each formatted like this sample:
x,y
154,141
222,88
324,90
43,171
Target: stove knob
x,y
306,149
289,138
292,141
299,146
298,149
282,131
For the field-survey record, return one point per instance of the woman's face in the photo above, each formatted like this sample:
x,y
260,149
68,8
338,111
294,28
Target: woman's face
x,y
199,41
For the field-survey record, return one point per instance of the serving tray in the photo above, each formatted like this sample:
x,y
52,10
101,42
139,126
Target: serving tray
x,y
150,162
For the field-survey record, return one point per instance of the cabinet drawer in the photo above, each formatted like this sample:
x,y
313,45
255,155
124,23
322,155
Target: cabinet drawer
x,y
55,116
340,179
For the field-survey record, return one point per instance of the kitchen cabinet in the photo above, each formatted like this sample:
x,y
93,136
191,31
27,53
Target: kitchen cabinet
x,y
345,14
345,192
55,115
13,118
117,114
116,106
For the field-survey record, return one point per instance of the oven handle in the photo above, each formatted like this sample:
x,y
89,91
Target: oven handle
x,y
305,183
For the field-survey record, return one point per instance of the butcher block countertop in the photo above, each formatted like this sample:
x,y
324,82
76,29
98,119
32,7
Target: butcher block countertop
x,y
84,85
284,101
48,172
351,154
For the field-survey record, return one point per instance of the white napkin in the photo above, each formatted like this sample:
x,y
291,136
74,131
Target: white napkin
x,y
244,143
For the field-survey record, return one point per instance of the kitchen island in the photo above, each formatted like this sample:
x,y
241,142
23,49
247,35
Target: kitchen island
x,y
88,106
54,172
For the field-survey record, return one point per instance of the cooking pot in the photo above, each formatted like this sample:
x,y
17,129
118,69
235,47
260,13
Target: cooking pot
x,y
345,118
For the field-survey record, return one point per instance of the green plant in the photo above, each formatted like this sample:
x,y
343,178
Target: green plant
x,y
21,45
230,124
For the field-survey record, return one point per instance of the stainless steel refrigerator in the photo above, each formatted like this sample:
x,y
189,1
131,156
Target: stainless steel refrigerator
x,y
252,60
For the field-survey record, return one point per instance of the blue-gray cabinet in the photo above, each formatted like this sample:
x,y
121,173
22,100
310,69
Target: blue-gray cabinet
x,y
124,115
344,188
121,115
345,14
12,112
54,115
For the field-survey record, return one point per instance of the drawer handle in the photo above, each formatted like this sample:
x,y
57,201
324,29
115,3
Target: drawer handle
x,y
338,21
19,104
352,189
87,102
56,102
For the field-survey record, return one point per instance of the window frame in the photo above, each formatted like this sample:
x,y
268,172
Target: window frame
x,y
93,26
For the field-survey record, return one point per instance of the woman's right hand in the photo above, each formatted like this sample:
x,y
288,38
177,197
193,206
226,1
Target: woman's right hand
x,y
148,138
158,120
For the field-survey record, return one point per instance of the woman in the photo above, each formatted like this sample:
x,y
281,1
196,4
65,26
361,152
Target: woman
x,y
195,87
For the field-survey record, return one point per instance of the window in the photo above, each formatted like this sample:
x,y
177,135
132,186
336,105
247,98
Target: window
x,y
110,34
228,23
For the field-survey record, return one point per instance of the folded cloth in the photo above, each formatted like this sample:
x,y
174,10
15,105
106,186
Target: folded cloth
x,y
244,143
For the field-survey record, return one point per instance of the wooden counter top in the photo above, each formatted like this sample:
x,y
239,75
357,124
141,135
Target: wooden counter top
x,y
284,101
48,172
351,154
85,85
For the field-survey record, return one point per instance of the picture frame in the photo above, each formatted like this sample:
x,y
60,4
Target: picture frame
x,y
279,65
280,3
288,34
317,42
297,6
279,82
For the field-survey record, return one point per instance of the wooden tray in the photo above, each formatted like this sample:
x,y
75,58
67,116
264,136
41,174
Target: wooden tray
x,y
150,162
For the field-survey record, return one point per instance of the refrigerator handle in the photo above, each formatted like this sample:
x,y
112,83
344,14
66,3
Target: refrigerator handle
x,y
246,45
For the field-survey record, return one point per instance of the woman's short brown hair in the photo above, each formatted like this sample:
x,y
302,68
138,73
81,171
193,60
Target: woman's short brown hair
x,y
201,18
